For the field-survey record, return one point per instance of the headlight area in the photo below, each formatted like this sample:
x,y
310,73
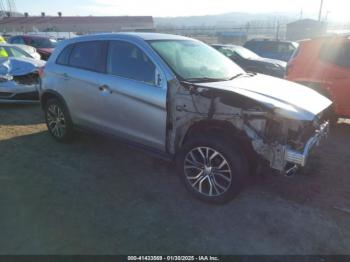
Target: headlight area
x,y
286,144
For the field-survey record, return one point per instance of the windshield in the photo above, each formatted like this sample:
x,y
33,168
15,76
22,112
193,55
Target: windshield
x,y
12,51
194,61
42,42
16,52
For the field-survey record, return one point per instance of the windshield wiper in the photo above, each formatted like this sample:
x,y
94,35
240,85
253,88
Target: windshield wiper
x,y
241,74
203,79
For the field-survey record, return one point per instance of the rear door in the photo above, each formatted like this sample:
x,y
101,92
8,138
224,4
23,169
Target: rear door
x,y
336,57
135,95
80,81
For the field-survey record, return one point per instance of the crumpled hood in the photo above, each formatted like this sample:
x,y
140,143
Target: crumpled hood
x,y
19,66
289,99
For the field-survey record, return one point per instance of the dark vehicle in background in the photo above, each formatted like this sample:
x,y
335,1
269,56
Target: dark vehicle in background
x,y
252,62
44,45
274,49
323,64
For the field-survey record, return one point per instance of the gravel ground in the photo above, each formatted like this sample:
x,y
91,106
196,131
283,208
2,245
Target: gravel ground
x,y
96,196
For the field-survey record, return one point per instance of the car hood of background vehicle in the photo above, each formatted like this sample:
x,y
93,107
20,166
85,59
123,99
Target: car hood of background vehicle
x,y
289,99
19,66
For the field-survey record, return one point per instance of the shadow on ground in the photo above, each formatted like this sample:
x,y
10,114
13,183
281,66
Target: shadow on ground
x,y
14,114
96,196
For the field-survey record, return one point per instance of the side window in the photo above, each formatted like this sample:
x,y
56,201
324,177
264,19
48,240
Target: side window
x,y
16,52
89,55
128,61
336,53
63,58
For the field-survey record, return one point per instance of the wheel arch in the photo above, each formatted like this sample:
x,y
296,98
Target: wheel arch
x,y
51,94
219,127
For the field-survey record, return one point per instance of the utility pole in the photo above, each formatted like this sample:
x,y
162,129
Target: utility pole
x,y
320,13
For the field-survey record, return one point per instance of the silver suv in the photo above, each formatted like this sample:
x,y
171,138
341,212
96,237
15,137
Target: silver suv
x,y
181,98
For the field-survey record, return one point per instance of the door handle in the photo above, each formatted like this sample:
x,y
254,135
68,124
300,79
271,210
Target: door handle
x,y
104,88
65,76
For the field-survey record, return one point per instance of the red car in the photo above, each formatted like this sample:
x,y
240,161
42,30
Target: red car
x,y
324,65
44,45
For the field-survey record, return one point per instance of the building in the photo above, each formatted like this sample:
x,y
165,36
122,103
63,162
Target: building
x,y
79,24
306,28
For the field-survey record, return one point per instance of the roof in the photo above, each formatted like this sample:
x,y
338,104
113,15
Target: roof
x,y
139,35
325,37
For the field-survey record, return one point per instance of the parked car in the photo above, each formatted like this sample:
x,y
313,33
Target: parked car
x,y
44,45
324,65
19,79
7,50
182,100
274,49
29,50
252,62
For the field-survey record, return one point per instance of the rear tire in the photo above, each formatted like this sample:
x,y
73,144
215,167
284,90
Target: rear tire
x,y
212,167
58,120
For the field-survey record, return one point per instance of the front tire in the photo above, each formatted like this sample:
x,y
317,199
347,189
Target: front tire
x,y
213,168
58,120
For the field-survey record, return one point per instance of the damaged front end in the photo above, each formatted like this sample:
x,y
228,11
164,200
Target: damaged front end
x,y
19,80
285,142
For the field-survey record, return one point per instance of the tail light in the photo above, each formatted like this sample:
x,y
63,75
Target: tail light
x,y
41,72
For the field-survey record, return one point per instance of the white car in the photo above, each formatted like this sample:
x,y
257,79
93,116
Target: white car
x,y
30,50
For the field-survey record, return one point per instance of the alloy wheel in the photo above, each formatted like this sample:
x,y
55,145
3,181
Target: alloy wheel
x,y
207,171
56,121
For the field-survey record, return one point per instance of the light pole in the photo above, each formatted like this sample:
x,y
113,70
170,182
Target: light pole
x,y
320,13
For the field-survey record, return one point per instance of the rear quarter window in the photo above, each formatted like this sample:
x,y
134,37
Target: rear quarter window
x,y
63,58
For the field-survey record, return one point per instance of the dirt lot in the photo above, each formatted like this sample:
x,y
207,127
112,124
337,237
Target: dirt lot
x,y
96,196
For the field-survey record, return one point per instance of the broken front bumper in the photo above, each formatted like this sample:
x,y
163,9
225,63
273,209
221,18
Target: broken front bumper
x,y
300,158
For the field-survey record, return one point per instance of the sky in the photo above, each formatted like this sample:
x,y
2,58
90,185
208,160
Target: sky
x,y
336,9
